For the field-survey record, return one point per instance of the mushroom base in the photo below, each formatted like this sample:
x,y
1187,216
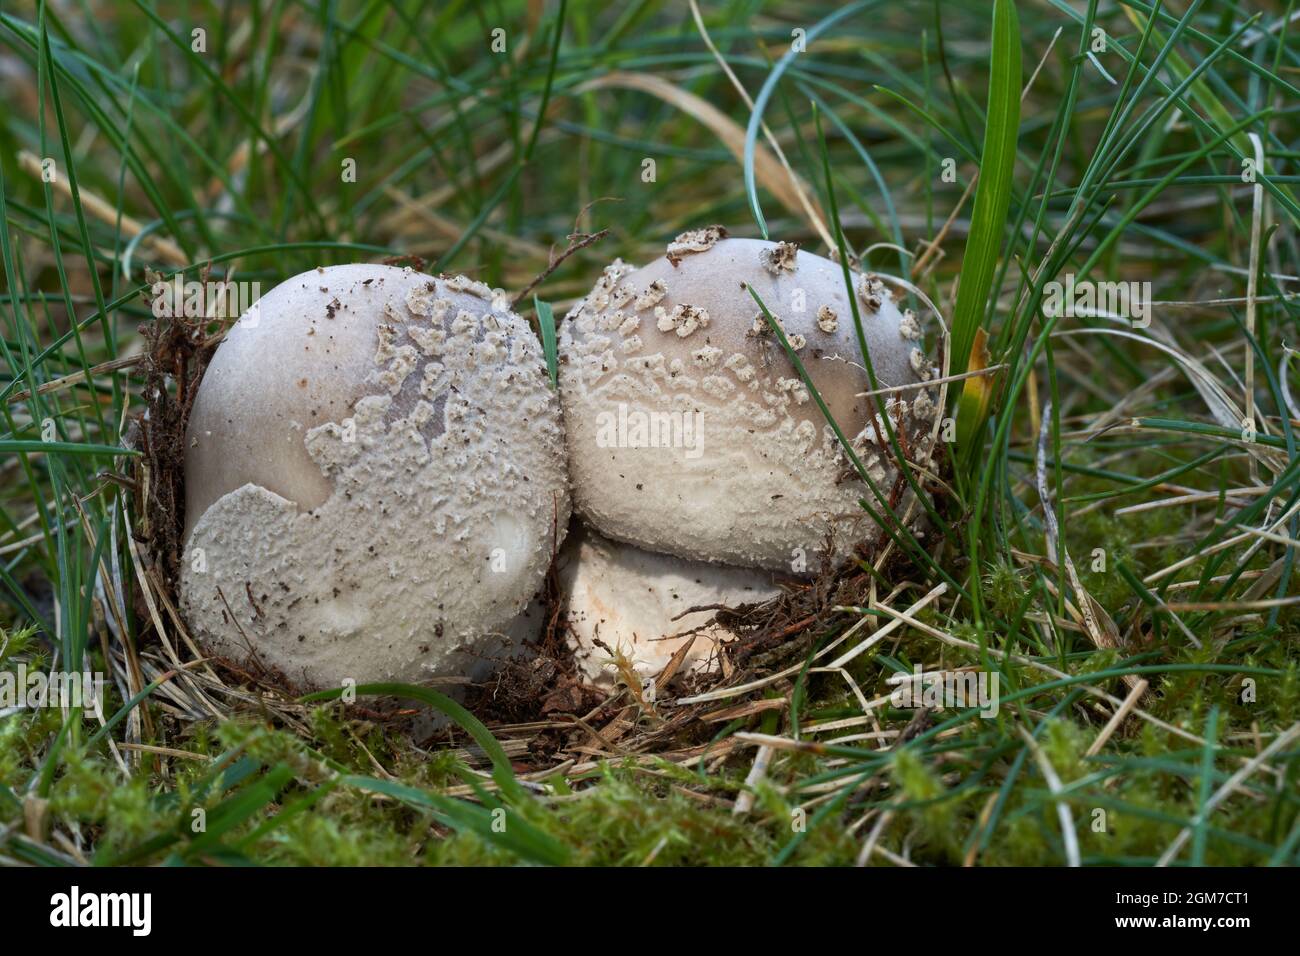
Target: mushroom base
x,y
627,609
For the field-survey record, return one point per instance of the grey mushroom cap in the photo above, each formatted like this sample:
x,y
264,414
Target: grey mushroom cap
x,y
375,479
616,598
690,430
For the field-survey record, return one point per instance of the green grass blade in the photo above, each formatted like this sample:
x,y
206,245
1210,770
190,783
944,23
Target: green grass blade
x,y
546,326
502,772
988,221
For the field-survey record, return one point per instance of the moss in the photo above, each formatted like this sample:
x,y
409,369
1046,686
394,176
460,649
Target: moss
x,y
626,816
90,791
932,809
331,838
627,823
1004,588
1064,744
1133,800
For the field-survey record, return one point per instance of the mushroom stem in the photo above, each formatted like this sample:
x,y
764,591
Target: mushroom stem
x,y
629,611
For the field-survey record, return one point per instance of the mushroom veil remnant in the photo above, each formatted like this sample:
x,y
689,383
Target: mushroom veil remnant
x,y
690,431
375,479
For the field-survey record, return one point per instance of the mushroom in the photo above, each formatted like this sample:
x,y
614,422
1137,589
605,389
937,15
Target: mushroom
x,y
619,599
690,431
375,479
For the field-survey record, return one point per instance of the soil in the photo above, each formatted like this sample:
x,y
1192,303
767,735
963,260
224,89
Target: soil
x,y
178,350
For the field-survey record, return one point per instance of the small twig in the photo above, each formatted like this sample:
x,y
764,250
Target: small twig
x,y
869,845
745,801
1117,718
577,241
67,381
928,383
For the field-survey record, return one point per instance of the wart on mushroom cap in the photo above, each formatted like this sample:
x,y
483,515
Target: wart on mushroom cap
x,y
374,478
689,429
629,600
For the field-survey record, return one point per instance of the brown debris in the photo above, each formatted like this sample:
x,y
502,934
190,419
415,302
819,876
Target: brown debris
x,y
694,241
783,257
177,352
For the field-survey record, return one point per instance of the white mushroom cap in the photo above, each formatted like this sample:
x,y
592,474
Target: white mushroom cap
x,y
689,429
629,599
375,478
